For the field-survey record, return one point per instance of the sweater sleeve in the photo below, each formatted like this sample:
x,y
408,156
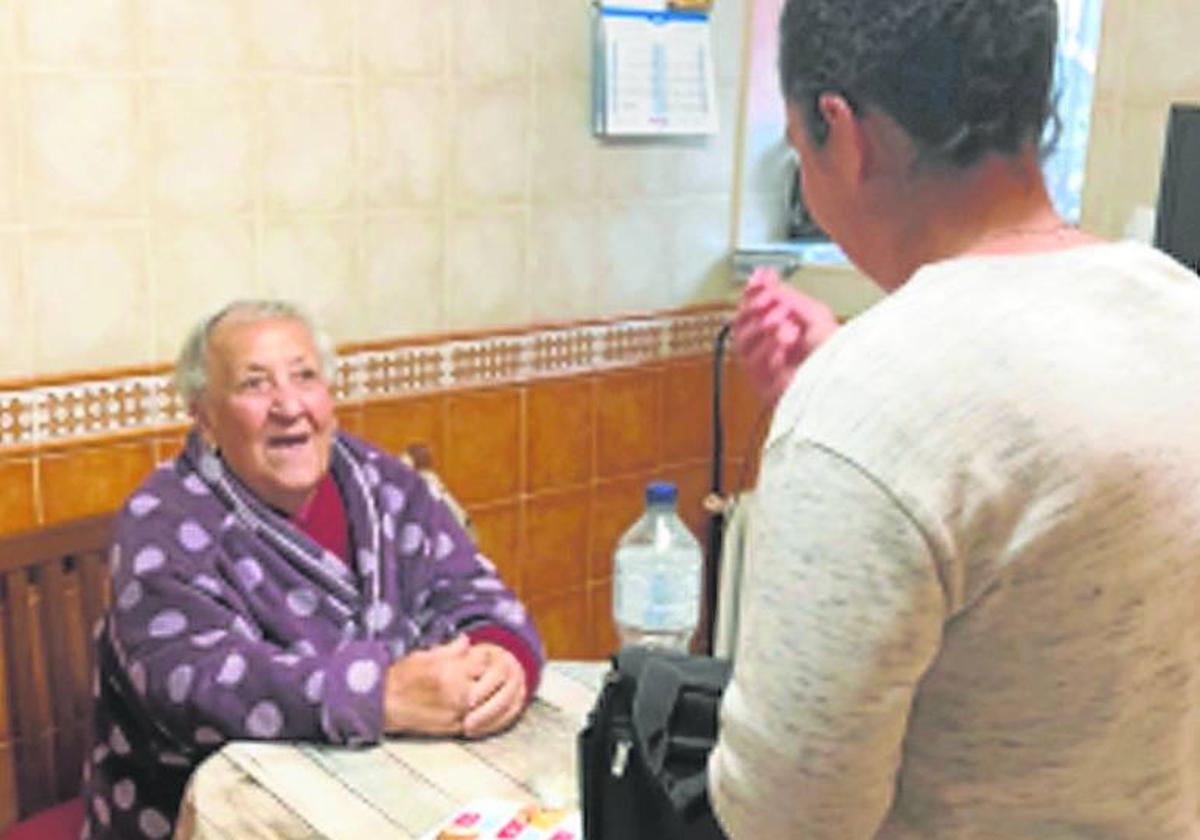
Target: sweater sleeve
x,y
842,611
193,653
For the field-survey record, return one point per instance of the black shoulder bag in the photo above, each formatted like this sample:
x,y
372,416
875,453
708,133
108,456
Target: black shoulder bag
x,y
644,751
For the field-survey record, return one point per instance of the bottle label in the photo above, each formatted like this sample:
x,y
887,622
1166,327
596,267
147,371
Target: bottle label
x,y
656,591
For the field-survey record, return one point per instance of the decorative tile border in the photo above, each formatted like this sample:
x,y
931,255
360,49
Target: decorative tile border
x,y
66,411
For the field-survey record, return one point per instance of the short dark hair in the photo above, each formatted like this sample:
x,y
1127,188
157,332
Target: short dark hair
x,y
964,78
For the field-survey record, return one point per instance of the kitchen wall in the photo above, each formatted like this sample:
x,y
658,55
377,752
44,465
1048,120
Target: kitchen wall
x,y
1147,61
404,167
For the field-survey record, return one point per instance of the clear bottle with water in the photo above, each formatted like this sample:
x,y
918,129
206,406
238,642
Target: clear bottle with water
x,y
656,575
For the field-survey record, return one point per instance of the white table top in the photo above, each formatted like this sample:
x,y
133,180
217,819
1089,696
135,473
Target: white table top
x,y
401,788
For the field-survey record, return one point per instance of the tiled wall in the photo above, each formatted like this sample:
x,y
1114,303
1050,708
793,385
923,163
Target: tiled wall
x,y
547,437
404,167
1147,61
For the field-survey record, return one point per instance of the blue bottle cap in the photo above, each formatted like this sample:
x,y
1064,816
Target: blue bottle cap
x,y
660,492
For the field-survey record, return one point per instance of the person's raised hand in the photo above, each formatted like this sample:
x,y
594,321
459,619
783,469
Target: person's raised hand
x,y
775,328
428,692
498,695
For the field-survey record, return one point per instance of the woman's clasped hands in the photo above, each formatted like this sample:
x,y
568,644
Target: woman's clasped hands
x,y
457,688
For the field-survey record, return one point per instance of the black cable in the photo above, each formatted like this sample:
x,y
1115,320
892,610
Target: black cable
x,y
716,516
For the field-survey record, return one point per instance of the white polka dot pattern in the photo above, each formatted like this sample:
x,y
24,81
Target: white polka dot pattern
x,y
487,584
153,824
368,561
379,616
393,499
302,602
167,624
192,537
142,504
179,682
443,547
118,741
388,526
195,485
100,809
509,611
249,572
362,676
151,557
370,475
124,794
244,629
130,596
208,638
207,736
232,669
265,720
411,538
208,583
137,677
314,686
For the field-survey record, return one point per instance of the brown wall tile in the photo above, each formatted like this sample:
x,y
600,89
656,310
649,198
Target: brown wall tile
x,y
81,482
616,504
555,542
561,432
17,509
693,482
168,447
483,445
627,421
687,410
394,425
745,415
604,631
563,621
350,419
498,530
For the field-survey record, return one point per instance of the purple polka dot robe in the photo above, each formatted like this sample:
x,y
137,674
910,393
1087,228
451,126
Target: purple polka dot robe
x,y
227,622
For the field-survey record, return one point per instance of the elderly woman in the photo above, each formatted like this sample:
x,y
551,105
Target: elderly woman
x,y
281,579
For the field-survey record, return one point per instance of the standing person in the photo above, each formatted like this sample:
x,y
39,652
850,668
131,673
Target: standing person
x,y
284,580
972,608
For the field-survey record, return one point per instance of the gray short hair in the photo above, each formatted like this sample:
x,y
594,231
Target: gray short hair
x,y
191,367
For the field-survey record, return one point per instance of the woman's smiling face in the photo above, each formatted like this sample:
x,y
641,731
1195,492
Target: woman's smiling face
x,y
267,407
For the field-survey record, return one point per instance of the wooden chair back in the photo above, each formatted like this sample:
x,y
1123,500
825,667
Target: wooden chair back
x,y
54,588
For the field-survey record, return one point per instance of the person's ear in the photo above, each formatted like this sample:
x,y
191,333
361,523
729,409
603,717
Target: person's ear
x,y
201,417
845,134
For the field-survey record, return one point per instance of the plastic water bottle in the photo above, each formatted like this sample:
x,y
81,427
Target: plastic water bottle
x,y
656,576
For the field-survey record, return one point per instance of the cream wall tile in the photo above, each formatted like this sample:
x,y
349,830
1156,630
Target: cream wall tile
x,y
82,144
564,40
728,19
1124,162
1111,57
404,275
492,41
564,152
16,325
1160,49
196,34
197,268
565,261
9,197
404,126
701,249
313,262
403,37
310,35
638,242
68,32
7,33
485,283
631,169
309,139
90,298
705,166
201,137
491,144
